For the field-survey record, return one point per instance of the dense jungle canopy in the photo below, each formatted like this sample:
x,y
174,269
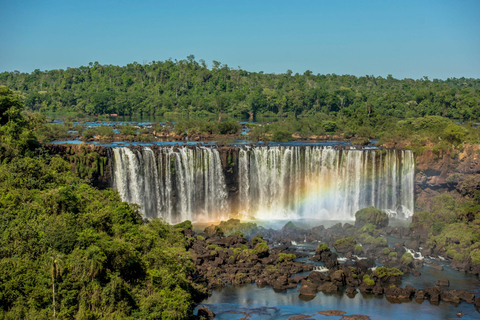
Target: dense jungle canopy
x,y
69,250
188,88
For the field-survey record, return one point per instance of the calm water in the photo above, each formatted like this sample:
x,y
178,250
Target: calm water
x,y
264,303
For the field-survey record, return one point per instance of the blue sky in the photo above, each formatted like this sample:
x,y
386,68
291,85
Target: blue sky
x,y
412,39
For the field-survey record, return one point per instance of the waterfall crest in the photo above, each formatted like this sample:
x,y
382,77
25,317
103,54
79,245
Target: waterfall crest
x,y
282,182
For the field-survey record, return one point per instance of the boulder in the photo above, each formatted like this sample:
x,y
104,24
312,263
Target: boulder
x,y
436,266
442,283
477,303
463,295
205,314
308,290
328,287
371,215
351,291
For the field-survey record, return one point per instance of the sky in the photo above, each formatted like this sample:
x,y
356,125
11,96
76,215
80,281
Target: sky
x,y
408,39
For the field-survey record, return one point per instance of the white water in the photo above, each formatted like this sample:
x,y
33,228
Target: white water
x,y
284,182
174,185
324,183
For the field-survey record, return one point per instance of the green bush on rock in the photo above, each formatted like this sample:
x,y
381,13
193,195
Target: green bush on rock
x,y
376,217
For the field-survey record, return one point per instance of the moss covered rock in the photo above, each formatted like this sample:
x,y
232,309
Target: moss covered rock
x,y
371,215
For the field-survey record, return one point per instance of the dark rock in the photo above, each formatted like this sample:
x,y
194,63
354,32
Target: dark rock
x,y
463,295
412,245
477,303
307,290
351,291
442,283
328,287
318,278
332,313
355,317
448,296
436,266
205,313
297,279
459,266
281,284
378,290
394,294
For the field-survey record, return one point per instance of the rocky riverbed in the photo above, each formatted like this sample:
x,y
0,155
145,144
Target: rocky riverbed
x,y
348,259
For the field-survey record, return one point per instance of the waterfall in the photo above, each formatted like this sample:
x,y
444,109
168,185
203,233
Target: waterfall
x,y
176,185
281,182
324,182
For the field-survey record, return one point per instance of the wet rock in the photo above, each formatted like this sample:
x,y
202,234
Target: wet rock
x,y
205,314
442,283
318,278
332,313
355,317
436,266
297,279
328,287
477,303
351,291
448,296
281,284
308,290
395,294
413,245
378,290
338,278
463,295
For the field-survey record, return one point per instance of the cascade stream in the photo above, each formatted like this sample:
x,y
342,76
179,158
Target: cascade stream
x,y
281,182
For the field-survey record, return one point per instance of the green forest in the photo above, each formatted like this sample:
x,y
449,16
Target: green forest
x,y
69,250
190,89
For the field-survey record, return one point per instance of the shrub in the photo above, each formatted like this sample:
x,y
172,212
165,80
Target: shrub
x,y
371,215
323,247
368,281
382,272
286,257
406,258
282,135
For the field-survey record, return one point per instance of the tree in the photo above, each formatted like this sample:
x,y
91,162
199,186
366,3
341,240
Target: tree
x,y
54,264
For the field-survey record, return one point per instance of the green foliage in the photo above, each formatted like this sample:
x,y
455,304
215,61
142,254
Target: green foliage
x,y
345,242
261,248
127,130
284,257
371,215
475,256
200,238
290,226
233,226
454,133
368,281
323,246
393,254
358,249
187,224
282,135
56,231
382,272
406,259
386,251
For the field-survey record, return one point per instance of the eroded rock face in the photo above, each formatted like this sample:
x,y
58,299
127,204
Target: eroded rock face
x,y
453,172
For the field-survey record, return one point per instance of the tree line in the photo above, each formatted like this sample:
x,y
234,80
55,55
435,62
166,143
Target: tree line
x,y
191,89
